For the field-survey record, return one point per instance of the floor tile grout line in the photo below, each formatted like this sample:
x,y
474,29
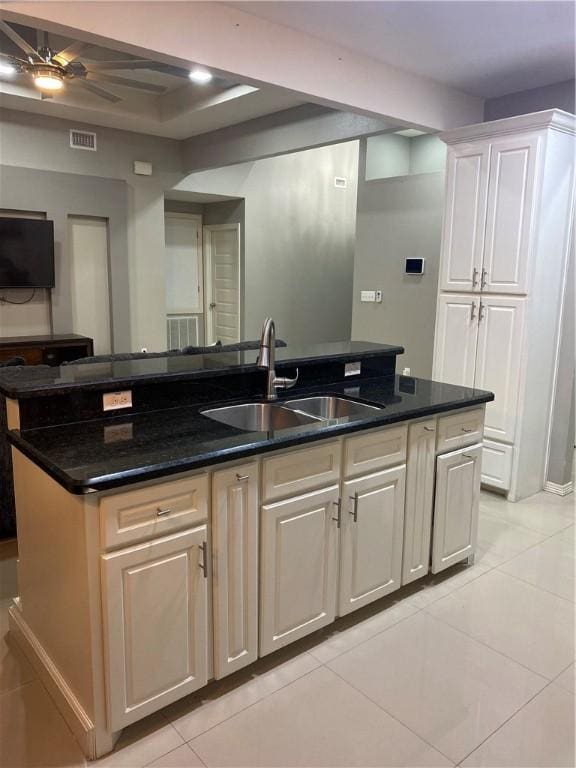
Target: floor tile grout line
x,y
536,586
196,753
495,516
486,645
394,717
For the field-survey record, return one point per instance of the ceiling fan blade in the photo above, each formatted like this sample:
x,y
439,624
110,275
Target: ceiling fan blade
x,y
126,82
96,90
154,66
41,39
14,59
24,45
66,55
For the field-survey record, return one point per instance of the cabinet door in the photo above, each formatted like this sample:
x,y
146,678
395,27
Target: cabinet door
x,y
420,469
464,217
299,546
456,337
155,624
498,362
235,567
513,167
456,507
371,538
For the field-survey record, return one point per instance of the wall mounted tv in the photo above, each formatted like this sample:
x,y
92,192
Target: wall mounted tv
x,y
26,253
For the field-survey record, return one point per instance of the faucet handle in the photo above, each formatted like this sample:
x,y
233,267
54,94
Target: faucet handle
x,y
283,382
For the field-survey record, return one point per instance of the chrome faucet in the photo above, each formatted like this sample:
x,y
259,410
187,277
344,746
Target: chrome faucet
x,y
267,361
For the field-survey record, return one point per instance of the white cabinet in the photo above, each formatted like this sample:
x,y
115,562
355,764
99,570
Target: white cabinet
x,y
235,567
456,507
455,342
371,538
298,567
464,221
498,361
420,472
155,624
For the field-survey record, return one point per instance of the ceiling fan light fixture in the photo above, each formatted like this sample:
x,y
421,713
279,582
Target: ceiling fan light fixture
x,y
200,76
48,79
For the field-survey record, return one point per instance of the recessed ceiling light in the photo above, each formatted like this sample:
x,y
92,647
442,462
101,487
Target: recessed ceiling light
x,y
48,79
6,69
200,76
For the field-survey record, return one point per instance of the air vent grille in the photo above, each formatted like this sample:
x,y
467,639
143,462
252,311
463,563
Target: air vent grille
x,y
83,140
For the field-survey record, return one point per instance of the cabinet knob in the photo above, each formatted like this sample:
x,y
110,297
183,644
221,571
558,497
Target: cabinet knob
x,y
161,511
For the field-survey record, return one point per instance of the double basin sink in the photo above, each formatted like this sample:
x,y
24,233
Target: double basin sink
x,y
270,417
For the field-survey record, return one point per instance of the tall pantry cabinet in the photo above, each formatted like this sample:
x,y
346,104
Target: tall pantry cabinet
x,y
505,248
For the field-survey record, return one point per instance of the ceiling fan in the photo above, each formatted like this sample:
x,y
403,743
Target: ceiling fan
x,y
50,70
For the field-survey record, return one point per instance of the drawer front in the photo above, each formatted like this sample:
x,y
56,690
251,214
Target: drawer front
x,y
373,451
292,473
496,464
133,516
460,429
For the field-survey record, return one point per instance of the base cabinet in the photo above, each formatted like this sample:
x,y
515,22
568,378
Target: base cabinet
x,y
371,538
456,506
420,471
235,567
299,547
155,624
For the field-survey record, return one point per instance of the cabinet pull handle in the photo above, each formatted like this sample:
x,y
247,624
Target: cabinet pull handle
x,y
474,277
204,563
354,512
472,310
429,429
467,456
338,518
240,478
484,278
466,429
161,511
481,313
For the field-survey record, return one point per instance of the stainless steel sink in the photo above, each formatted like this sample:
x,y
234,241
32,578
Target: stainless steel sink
x,y
260,417
332,407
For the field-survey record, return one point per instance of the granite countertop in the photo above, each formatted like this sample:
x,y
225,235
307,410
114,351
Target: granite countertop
x,y
34,381
103,454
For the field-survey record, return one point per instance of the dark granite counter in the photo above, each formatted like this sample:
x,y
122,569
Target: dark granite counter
x,y
36,381
109,453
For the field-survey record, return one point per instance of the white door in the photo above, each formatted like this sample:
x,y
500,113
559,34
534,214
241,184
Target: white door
x,y
299,546
222,244
513,166
455,340
156,628
89,280
420,471
464,217
456,507
498,360
235,567
183,249
371,538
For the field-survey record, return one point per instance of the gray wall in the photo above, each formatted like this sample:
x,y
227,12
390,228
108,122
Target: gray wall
x,y
398,218
299,239
557,95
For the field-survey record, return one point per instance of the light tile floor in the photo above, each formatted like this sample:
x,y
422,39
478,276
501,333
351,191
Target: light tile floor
x,y
474,667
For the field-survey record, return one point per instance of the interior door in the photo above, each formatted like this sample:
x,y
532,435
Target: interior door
x,y
183,264
498,360
223,283
371,538
464,217
513,166
456,338
89,280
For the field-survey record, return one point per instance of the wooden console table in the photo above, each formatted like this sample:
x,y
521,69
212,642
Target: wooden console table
x,y
53,349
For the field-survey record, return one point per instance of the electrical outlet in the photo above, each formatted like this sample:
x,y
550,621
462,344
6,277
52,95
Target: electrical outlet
x,y
379,297
367,296
117,433
352,369
114,401
406,372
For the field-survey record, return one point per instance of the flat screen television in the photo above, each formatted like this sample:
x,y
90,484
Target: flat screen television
x,y
26,253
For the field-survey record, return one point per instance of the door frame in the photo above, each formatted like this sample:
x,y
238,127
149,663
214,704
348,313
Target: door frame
x,y
197,217
208,229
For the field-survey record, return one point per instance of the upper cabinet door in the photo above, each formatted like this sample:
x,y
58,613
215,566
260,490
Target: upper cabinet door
x,y
455,342
464,217
498,361
513,168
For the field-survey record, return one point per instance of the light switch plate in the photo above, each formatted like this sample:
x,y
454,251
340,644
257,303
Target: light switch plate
x,y
114,401
367,295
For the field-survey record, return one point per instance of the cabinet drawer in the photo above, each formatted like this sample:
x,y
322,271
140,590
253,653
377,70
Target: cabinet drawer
x,y
496,464
460,429
157,510
372,451
292,473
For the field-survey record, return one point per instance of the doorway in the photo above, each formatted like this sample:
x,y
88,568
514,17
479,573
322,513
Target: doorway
x,y
222,279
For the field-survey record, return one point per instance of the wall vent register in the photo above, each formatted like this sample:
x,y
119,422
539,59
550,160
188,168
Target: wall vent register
x,y
83,140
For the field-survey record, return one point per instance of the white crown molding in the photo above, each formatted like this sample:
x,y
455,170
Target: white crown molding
x,y
555,119
559,490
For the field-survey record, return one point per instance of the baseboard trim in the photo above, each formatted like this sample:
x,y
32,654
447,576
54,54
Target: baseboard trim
x,y
559,490
70,708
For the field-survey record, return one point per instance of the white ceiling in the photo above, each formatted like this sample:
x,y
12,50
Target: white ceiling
x,y
487,49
